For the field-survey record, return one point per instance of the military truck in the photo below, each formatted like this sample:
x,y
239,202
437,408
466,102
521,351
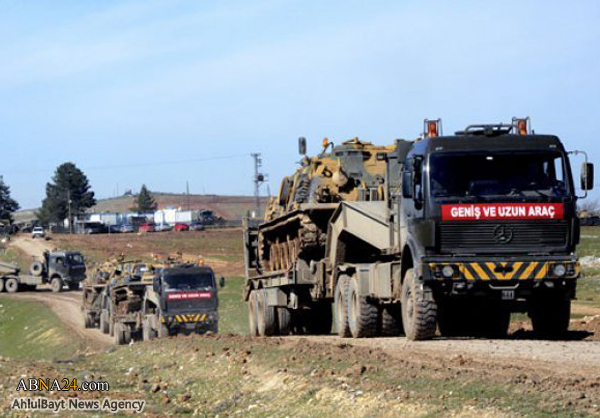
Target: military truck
x,y
57,268
145,301
469,228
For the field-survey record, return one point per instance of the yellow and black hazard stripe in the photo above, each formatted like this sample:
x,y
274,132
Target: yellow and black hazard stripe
x,y
517,270
185,319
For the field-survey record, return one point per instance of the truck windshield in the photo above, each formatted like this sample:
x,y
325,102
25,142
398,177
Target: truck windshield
x,y
75,258
189,281
494,174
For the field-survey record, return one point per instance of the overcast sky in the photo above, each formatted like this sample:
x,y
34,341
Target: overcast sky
x,y
164,92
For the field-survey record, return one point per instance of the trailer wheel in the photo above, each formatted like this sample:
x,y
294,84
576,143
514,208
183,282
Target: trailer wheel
x,y
11,285
266,315
284,321
550,316
88,321
148,333
122,334
253,314
1,285
391,321
362,315
341,307
419,310
104,325
57,285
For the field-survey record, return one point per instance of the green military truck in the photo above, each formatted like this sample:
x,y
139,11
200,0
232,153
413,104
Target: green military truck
x,y
468,229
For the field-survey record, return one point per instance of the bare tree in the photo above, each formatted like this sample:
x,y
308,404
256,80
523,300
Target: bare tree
x,y
589,208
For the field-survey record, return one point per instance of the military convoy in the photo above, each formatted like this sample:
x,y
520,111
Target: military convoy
x,y
445,232
130,299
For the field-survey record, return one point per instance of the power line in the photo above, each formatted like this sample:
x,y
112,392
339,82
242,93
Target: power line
x,y
136,165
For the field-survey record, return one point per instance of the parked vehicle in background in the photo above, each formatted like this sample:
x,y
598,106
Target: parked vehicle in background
x,y
91,228
147,227
196,226
162,227
38,232
180,226
114,229
127,228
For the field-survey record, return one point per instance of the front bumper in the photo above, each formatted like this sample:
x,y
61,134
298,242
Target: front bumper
x,y
191,321
500,269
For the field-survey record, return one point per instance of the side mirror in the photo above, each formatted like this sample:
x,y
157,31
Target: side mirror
x,y
302,145
587,176
407,185
222,282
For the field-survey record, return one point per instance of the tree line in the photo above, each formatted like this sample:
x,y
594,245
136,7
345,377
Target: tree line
x,y
68,195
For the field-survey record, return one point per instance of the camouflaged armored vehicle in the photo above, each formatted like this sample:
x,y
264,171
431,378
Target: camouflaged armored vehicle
x,y
295,223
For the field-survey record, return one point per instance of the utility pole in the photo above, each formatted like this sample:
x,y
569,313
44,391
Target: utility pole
x,y
187,191
70,215
259,178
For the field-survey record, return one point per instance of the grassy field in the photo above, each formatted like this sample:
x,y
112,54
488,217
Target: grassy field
x,y
29,330
233,312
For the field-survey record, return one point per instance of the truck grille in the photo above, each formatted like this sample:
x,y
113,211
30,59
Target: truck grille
x,y
495,237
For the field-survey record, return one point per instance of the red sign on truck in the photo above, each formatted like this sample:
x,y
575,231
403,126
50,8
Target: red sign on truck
x,y
188,296
502,211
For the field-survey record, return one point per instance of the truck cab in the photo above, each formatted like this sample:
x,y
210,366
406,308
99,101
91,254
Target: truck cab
x,y
64,267
488,220
187,298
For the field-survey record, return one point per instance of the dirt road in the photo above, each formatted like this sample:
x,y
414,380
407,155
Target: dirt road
x,y
67,305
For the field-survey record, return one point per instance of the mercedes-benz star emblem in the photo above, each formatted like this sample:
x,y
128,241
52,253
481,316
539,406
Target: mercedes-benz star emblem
x,y
503,234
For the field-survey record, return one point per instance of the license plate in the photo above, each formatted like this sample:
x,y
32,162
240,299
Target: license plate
x,y
508,295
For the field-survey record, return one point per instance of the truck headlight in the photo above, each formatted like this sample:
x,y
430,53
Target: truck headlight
x,y
559,270
448,272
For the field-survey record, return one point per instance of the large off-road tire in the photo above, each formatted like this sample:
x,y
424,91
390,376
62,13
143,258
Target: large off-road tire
x,y
11,285
57,285
1,285
341,307
362,314
284,321
119,334
266,315
253,314
162,331
319,319
104,325
87,319
419,310
36,269
391,320
148,333
550,316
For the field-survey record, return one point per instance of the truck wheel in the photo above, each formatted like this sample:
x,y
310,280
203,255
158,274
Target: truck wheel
x,y
104,327
36,269
265,315
57,285
88,321
253,314
147,330
319,319
1,285
111,327
214,328
419,310
391,321
119,334
341,307
362,315
550,317
284,321
11,285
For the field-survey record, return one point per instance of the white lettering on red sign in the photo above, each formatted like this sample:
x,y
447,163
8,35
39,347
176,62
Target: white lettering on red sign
x,y
502,211
188,296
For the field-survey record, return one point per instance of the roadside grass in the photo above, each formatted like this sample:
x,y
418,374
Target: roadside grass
x,y
30,330
15,256
233,311
590,241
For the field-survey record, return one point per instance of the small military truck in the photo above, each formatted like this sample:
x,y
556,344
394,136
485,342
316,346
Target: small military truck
x,y
58,268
